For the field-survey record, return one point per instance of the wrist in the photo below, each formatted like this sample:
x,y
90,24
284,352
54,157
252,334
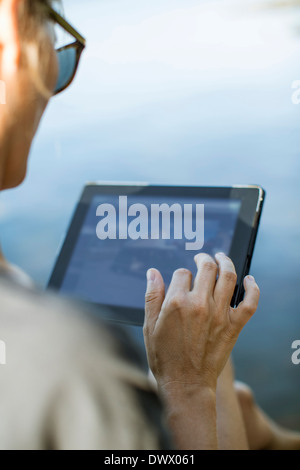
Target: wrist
x,y
176,392
190,412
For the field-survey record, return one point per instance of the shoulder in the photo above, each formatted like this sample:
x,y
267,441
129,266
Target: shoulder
x,y
64,362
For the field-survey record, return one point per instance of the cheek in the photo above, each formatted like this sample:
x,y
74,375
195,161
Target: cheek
x,y
28,105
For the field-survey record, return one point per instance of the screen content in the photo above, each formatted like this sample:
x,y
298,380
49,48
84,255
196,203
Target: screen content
x,y
122,237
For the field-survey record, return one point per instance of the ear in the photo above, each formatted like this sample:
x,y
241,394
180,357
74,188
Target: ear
x,y
10,41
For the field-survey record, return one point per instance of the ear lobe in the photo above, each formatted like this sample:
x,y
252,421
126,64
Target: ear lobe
x,y
10,41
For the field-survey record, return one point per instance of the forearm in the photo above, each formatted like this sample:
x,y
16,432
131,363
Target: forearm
x,y
191,416
230,425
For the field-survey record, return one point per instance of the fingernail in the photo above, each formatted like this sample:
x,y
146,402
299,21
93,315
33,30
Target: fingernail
x,y
151,275
220,254
250,278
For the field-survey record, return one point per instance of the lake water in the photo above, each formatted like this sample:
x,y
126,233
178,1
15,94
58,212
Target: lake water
x,y
191,93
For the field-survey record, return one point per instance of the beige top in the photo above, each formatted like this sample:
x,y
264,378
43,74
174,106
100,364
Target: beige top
x,y
65,385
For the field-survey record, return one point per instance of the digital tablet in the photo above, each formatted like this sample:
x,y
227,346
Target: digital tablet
x,y
119,231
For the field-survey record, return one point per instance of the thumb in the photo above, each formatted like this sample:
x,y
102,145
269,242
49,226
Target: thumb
x,y
154,298
245,310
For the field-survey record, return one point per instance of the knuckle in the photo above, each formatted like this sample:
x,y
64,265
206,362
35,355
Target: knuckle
x,y
210,265
201,307
249,310
152,296
177,302
230,277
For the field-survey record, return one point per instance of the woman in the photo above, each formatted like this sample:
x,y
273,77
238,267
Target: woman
x,y
64,385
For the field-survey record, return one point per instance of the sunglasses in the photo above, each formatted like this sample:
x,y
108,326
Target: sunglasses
x,y
68,56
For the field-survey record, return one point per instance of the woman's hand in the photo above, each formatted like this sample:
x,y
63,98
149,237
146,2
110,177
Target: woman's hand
x,y
191,331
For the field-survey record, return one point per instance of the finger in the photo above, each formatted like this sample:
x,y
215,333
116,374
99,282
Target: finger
x,y
206,276
180,284
154,298
246,309
226,282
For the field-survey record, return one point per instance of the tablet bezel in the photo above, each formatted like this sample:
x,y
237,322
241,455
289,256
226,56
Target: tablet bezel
x,y
251,196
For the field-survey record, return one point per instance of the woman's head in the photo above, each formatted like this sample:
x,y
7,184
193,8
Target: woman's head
x,y
28,67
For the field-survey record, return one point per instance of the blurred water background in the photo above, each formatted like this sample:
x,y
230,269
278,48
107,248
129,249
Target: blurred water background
x,y
181,92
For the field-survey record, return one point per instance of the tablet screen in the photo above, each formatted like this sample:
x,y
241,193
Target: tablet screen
x,y
114,249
